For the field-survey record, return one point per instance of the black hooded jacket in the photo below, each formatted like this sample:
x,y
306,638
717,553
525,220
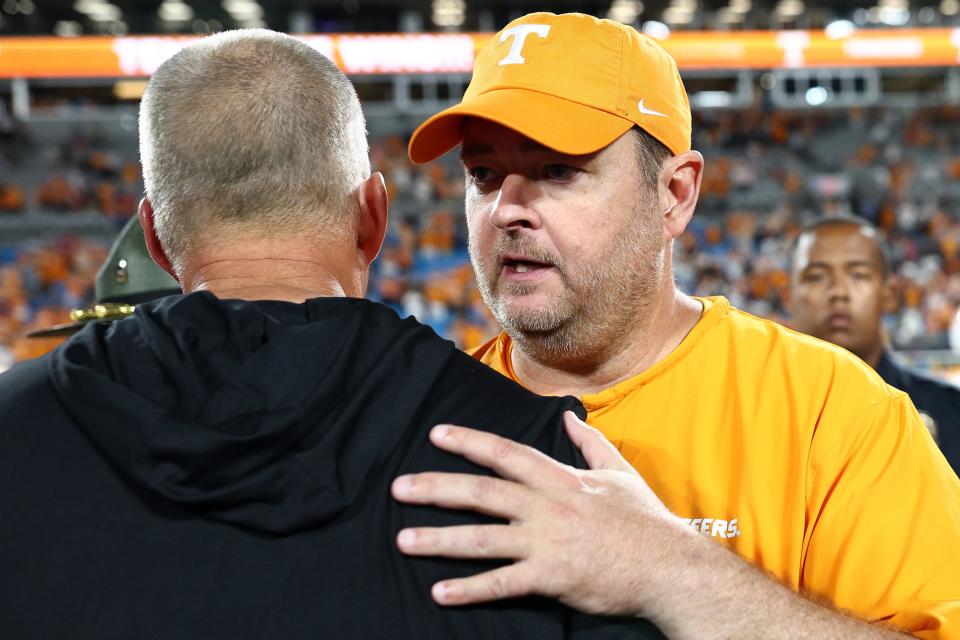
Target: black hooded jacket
x,y
221,469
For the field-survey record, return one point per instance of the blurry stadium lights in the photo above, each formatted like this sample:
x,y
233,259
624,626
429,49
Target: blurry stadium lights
x,y
712,99
680,12
839,29
625,11
676,15
98,10
727,16
13,7
740,6
816,96
243,10
448,13
893,12
789,8
175,11
950,7
67,28
658,30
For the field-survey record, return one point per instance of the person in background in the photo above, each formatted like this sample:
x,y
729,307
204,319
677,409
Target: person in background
x,y
128,277
840,287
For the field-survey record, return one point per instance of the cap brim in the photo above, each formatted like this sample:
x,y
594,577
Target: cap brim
x,y
567,127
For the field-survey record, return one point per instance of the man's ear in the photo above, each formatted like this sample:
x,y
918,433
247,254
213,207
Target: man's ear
x,y
372,223
889,292
154,248
679,190
788,298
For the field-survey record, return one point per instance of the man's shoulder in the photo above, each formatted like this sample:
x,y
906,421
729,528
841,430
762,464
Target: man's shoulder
x,y
25,387
931,384
774,336
929,393
483,367
803,360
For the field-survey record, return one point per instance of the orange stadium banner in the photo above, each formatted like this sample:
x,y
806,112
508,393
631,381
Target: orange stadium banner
x,y
366,54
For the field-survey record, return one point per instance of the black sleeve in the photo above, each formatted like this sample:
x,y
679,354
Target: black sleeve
x,y
586,627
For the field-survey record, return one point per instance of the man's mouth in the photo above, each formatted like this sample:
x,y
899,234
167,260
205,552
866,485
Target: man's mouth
x,y
839,321
522,265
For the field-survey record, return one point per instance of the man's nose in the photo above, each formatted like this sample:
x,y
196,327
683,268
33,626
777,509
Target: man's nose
x,y
515,204
839,288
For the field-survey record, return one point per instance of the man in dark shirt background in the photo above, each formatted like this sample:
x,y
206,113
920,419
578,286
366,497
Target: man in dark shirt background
x,y
840,286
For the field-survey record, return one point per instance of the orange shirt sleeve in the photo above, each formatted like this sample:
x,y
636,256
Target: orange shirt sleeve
x,y
883,522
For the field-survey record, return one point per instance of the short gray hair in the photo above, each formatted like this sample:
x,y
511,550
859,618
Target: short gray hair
x,y
250,131
651,153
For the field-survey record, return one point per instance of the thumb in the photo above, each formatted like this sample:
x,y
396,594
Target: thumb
x,y
597,450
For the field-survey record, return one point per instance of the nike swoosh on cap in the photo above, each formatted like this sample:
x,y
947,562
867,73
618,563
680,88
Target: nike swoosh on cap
x,y
648,112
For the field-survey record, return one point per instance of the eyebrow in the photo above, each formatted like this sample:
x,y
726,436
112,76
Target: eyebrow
x,y
853,263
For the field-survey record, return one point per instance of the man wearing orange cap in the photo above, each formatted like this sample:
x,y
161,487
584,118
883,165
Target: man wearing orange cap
x,y
748,438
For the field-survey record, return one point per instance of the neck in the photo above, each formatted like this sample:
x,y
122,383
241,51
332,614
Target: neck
x,y
269,271
648,342
873,354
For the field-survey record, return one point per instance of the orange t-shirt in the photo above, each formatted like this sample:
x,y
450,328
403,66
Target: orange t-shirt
x,y
798,457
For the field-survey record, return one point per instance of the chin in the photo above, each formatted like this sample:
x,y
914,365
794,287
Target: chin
x,y
540,323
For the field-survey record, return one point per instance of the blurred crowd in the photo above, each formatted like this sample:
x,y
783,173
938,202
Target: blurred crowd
x,y
83,172
766,174
39,284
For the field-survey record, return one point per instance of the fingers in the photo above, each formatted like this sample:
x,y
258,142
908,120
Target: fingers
x,y
513,581
598,451
509,459
483,494
467,541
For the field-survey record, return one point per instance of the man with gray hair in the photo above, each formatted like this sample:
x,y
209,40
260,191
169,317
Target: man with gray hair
x,y
218,465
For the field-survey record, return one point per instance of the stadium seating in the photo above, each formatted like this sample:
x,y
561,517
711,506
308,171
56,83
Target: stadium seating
x,y
767,173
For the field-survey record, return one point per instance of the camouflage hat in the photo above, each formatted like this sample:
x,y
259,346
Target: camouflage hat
x,y
128,277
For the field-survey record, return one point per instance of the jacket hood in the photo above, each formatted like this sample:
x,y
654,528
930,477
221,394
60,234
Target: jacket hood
x,y
251,413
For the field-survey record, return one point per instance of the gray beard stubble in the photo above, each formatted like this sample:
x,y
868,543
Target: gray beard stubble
x,y
610,298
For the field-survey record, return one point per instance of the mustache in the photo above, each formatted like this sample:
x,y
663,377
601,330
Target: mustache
x,y
519,244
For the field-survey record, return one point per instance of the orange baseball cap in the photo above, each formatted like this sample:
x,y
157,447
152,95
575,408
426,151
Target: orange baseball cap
x,y
571,82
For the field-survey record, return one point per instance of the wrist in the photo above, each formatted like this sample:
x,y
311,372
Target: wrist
x,y
693,582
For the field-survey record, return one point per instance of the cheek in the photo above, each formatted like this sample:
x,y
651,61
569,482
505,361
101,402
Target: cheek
x,y
807,301
866,294
480,233
583,237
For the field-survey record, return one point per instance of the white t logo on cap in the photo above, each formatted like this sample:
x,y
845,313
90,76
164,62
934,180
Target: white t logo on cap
x,y
519,34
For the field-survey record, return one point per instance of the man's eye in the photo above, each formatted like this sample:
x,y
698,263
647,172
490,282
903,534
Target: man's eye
x,y
479,174
559,172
